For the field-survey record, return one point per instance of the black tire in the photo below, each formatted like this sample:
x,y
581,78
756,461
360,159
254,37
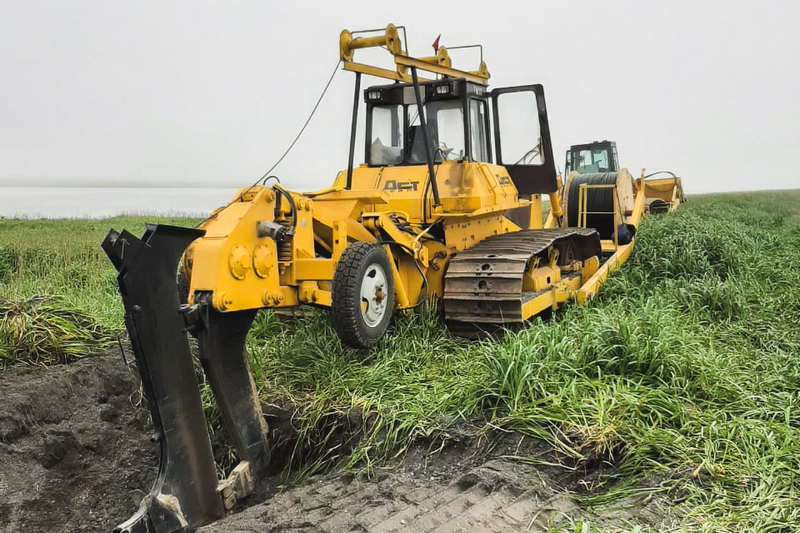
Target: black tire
x,y
360,324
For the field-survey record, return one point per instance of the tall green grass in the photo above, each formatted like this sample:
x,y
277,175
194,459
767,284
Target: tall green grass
x,y
63,258
59,299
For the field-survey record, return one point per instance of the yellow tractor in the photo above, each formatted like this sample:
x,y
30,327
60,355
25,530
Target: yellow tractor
x,y
436,213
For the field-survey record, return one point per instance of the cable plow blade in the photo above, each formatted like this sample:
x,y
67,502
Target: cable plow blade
x,y
185,493
221,338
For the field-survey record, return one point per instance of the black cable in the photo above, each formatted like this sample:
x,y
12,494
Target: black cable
x,y
597,201
407,227
425,192
425,200
319,100
535,149
661,172
266,175
674,176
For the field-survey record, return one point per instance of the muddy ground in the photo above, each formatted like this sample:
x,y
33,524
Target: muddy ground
x,y
74,453
75,456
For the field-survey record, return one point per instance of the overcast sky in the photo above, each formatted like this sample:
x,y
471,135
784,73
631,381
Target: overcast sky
x,y
213,93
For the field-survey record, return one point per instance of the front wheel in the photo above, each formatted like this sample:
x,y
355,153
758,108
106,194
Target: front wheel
x,y
363,295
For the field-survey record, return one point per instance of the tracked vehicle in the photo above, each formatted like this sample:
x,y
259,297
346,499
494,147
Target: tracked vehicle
x,y
446,208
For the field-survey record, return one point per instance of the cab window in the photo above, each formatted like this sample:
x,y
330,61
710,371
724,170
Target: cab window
x,y
477,126
445,121
592,161
520,135
386,142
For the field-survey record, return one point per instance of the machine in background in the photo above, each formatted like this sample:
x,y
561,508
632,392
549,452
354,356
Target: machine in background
x,y
662,195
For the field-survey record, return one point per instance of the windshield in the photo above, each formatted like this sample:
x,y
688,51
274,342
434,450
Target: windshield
x,y
445,121
592,161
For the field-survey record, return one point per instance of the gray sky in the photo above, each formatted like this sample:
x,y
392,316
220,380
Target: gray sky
x,y
213,93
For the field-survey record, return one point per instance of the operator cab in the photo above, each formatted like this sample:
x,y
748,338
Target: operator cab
x,y
600,156
456,117
456,112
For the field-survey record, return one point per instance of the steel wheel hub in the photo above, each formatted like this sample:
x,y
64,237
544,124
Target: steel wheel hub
x,y
373,295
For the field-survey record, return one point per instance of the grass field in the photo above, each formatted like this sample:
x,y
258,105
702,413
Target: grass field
x,y
683,372
63,258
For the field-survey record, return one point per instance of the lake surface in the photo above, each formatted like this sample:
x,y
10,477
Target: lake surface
x,y
101,202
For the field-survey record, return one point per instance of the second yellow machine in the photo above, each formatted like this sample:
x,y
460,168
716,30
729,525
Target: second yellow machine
x,y
447,208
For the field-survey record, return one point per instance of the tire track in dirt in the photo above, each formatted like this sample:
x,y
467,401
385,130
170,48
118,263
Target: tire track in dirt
x,y
451,491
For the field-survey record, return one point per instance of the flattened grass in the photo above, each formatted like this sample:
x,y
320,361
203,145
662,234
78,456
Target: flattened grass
x,y
44,332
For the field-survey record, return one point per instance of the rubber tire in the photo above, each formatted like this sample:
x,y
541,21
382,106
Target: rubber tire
x,y
346,295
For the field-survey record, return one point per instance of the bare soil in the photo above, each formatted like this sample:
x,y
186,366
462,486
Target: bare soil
x,y
458,487
74,452
75,456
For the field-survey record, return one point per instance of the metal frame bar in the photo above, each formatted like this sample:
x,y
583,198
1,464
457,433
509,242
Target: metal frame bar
x,y
353,128
425,138
402,60
414,63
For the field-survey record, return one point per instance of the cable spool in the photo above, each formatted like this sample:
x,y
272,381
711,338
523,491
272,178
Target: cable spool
x,y
599,200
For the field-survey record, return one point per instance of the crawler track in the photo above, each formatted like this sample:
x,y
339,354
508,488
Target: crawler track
x,y
484,284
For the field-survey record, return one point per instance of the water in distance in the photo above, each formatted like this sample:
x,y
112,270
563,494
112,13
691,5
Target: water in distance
x,y
102,202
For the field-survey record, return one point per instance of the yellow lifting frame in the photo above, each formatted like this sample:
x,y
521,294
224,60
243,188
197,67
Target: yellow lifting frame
x,y
438,64
589,288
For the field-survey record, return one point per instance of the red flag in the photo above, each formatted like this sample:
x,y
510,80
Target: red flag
x,y
436,44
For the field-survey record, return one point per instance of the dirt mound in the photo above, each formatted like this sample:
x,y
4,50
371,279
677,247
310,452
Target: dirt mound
x,y
73,449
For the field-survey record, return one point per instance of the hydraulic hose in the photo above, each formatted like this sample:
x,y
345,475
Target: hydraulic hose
x,y
286,194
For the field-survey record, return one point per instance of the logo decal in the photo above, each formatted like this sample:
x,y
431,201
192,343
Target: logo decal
x,y
394,185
